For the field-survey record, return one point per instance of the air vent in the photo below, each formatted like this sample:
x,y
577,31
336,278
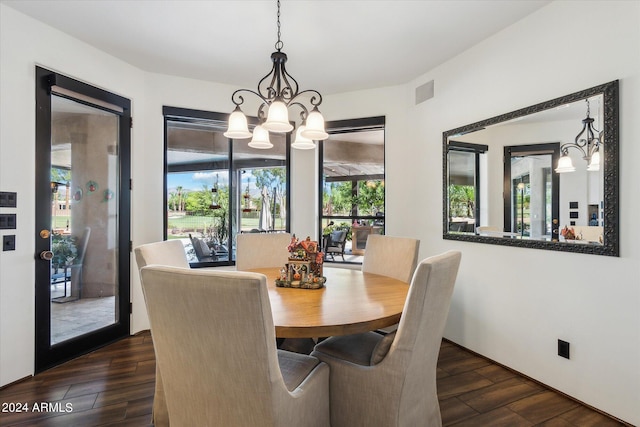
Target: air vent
x,y
424,92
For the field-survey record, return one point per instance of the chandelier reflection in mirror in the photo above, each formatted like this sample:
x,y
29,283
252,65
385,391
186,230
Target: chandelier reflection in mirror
x,y
277,92
588,141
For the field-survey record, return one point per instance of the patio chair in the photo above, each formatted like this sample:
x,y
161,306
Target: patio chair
x,y
336,243
203,251
73,273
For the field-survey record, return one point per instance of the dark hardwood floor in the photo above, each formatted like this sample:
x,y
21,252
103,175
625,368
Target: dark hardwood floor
x,y
114,386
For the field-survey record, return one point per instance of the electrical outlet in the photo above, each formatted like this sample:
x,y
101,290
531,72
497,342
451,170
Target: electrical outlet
x,y
9,243
563,349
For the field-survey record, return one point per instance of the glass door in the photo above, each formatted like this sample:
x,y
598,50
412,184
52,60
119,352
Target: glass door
x,y
533,192
82,231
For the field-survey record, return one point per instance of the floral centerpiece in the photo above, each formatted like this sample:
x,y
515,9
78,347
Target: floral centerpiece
x,y
304,269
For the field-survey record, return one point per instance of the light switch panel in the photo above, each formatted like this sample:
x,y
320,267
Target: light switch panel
x,y
8,199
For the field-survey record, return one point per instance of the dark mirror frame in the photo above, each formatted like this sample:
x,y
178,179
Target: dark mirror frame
x,y
610,174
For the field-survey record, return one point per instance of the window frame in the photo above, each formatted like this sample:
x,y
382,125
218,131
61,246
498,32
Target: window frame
x,y
235,189
350,126
477,150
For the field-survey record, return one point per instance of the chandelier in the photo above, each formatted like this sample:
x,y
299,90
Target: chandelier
x,y
588,142
277,92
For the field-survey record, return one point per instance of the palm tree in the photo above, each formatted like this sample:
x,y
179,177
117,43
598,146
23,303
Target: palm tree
x,y
180,198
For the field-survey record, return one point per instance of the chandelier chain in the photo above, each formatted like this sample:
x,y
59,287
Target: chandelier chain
x,y
279,43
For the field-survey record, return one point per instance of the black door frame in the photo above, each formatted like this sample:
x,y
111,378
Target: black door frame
x,y
48,355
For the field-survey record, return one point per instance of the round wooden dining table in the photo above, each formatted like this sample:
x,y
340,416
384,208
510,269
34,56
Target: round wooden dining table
x,y
350,302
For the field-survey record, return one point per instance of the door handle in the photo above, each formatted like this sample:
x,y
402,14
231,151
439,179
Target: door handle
x,y
46,255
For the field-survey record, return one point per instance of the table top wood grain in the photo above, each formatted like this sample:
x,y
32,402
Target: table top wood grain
x,y
350,302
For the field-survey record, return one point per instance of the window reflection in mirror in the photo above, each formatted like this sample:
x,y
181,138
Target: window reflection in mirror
x,y
465,201
579,207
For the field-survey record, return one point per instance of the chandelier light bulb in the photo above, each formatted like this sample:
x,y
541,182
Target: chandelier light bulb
x,y
302,143
260,139
565,164
238,128
315,127
594,164
278,118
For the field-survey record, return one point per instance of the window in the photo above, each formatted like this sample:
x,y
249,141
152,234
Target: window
x,y
216,187
352,183
464,186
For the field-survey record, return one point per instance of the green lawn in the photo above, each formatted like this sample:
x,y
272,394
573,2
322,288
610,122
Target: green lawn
x,y
181,226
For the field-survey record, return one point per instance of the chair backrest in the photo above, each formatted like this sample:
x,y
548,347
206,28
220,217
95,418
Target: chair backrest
x,y
391,256
203,252
214,339
167,252
338,238
415,348
261,250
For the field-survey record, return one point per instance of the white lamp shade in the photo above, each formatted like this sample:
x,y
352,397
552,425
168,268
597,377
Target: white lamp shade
x,y
238,128
565,165
315,127
594,164
260,139
302,143
278,118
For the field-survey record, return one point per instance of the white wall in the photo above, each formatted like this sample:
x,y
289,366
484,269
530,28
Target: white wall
x,y
510,304
148,160
25,43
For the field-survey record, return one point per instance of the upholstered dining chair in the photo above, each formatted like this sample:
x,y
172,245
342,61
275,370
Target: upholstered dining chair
x,y
390,380
261,250
391,256
214,340
170,253
167,252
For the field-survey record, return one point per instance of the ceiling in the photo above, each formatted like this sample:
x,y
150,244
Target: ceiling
x,y
333,46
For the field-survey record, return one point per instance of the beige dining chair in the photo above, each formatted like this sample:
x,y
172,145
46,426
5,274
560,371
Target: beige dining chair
x,y
214,339
169,253
390,380
261,250
264,250
391,256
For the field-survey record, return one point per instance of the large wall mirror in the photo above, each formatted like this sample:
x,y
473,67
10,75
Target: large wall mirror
x,y
544,176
